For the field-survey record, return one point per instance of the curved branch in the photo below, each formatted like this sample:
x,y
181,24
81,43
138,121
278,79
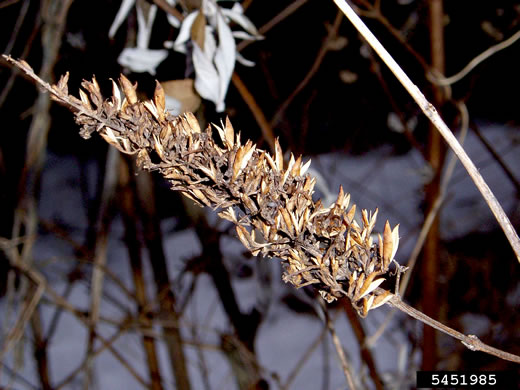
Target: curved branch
x,y
470,341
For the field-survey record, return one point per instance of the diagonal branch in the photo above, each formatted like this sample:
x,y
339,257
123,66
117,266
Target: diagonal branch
x,y
432,114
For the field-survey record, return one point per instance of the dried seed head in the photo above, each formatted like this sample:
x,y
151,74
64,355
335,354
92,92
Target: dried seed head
x,y
325,247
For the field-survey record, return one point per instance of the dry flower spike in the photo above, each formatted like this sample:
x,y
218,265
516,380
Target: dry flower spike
x,y
270,203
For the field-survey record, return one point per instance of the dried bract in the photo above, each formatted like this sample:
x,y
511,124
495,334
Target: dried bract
x,y
271,204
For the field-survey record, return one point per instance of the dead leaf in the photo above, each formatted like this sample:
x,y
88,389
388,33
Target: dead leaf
x,y
183,91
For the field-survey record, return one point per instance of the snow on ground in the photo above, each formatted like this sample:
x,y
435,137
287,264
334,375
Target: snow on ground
x,y
378,179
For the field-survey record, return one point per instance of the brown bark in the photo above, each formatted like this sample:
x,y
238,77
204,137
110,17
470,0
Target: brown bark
x,y
435,153
40,351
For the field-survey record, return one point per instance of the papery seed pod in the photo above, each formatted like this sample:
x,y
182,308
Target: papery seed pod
x,y
395,241
150,106
159,100
229,134
370,286
387,245
349,218
295,224
382,299
95,96
166,134
198,194
271,162
278,155
364,217
250,205
191,122
288,222
287,172
116,96
359,285
62,86
244,236
353,280
191,197
128,89
362,288
158,147
372,222
85,100
296,168
367,304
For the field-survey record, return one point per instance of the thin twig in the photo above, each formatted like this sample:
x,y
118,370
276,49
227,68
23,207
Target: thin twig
x,y
128,200
303,359
444,81
16,28
332,33
107,344
203,366
289,10
164,294
432,214
364,350
100,256
375,13
58,311
37,278
32,295
40,351
16,376
27,47
30,303
500,161
432,114
162,4
246,4
7,3
470,341
84,256
257,112
436,205
341,353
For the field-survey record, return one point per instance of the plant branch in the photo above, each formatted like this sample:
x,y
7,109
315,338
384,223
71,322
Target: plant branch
x,y
127,197
333,32
432,114
439,79
304,358
289,10
100,254
38,279
472,342
500,161
263,123
339,350
164,293
364,350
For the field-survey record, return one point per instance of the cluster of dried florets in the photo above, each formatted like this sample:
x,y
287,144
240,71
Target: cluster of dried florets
x,y
269,202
